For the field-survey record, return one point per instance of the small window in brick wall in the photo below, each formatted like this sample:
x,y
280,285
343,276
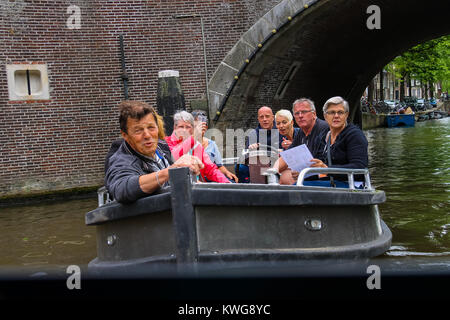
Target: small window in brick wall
x,y
27,82
286,80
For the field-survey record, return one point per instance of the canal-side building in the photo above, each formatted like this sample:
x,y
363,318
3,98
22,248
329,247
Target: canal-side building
x,y
391,88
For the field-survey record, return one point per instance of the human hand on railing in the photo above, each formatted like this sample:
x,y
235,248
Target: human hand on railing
x,y
192,162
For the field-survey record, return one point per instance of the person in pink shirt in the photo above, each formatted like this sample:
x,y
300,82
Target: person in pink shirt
x,y
185,140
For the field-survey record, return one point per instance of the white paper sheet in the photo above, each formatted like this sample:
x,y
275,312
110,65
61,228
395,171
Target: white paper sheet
x,y
297,158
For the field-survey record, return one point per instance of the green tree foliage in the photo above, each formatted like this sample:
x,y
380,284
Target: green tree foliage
x,y
428,62
443,75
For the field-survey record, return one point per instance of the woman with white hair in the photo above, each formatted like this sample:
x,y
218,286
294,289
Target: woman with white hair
x,y
187,139
285,125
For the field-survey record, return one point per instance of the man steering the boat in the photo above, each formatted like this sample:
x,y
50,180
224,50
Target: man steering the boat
x,y
141,164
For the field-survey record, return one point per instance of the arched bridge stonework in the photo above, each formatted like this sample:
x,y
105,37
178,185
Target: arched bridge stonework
x,y
316,49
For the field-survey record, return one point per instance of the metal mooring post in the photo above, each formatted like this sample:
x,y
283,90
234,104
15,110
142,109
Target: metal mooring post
x,y
183,216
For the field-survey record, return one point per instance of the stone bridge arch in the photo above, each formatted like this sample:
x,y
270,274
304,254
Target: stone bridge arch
x,y
317,49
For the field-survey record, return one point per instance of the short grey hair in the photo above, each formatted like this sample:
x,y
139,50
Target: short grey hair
x,y
183,116
284,113
334,101
309,101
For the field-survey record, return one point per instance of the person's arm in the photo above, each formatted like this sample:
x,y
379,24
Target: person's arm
x,y
149,183
218,161
122,179
228,174
127,183
114,147
210,171
356,151
280,165
318,163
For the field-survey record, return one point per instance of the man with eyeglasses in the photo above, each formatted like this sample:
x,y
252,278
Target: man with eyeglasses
x,y
312,128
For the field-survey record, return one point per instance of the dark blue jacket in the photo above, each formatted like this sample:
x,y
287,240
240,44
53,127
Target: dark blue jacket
x,y
123,169
348,151
312,141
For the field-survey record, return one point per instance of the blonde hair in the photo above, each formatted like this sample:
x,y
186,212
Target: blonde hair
x,y
284,113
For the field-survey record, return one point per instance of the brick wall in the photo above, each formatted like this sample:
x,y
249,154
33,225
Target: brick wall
x,y
61,143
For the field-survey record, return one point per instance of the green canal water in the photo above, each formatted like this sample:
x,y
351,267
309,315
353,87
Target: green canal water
x,y
412,165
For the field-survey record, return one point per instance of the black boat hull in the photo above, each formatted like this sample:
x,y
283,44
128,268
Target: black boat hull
x,y
240,222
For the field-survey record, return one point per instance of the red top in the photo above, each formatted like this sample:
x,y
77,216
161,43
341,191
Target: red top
x,y
178,147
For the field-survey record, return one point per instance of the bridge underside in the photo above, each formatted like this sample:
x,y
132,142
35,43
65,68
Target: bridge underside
x,y
330,51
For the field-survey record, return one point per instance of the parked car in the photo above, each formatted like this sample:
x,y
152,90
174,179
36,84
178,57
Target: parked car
x,y
391,104
420,104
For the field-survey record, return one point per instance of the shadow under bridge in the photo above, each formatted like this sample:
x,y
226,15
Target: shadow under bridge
x,y
317,49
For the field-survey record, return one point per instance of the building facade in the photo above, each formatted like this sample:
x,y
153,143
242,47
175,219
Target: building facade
x,y
61,76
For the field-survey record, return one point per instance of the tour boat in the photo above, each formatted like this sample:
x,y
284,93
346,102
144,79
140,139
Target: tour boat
x,y
197,223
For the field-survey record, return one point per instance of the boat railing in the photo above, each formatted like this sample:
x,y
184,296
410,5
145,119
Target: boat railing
x,y
349,172
230,161
264,150
272,178
197,223
103,196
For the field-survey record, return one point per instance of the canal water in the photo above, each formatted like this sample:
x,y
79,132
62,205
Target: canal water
x,y
412,165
